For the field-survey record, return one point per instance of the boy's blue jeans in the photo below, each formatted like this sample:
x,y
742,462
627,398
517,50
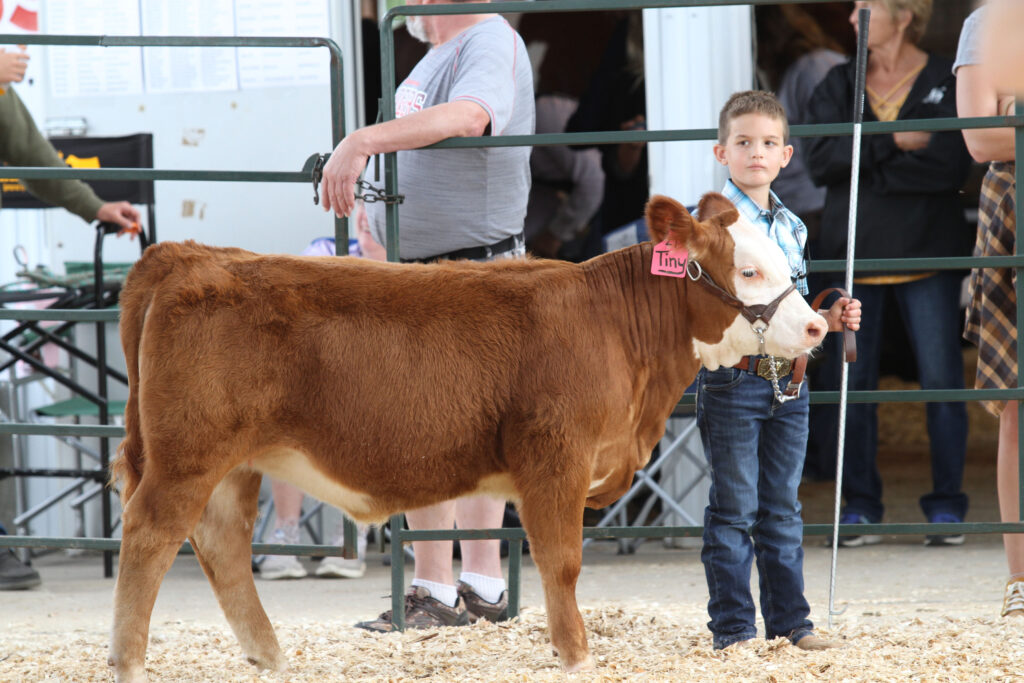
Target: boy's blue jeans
x,y
755,448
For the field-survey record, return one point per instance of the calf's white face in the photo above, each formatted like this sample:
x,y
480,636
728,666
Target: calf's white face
x,y
762,273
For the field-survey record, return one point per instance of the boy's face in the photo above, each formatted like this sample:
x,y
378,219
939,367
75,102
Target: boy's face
x,y
755,151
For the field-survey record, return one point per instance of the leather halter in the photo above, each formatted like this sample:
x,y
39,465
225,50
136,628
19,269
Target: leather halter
x,y
764,313
752,313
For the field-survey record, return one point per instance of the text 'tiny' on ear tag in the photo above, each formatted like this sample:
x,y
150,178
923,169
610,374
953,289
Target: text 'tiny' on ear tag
x,y
669,260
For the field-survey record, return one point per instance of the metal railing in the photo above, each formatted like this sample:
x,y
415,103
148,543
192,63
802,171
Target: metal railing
x,y
399,535
105,431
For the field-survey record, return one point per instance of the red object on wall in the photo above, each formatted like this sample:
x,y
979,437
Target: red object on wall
x,y
24,18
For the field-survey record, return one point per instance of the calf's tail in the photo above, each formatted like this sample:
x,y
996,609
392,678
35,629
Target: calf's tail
x,y
136,297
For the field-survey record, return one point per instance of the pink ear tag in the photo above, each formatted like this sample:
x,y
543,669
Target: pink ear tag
x,y
669,260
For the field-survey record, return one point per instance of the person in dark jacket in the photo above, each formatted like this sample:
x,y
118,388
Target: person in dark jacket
x,y
908,206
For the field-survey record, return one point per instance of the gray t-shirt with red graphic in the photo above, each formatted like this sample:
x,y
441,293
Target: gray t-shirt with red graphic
x,y
459,198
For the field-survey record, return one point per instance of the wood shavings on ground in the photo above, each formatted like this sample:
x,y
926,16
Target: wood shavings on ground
x,y
629,642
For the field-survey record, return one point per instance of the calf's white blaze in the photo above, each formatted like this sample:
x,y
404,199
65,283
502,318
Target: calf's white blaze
x,y
786,335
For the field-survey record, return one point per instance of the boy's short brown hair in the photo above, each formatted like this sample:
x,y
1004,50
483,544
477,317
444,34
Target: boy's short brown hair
x,y
751,102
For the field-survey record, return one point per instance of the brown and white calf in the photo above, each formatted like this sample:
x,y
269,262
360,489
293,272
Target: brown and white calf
x,y
381,387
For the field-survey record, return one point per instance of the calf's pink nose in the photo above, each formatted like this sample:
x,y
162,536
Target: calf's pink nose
x,y
816,330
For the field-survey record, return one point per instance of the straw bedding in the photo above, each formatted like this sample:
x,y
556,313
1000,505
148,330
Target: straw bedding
x,y
634,642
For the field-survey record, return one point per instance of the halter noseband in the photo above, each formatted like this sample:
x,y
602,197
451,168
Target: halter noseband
x,y
752,313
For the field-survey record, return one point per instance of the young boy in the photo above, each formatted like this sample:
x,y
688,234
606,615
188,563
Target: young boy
x,y
755,444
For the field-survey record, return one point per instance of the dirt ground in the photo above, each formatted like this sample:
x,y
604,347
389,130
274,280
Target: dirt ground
x,y
909,612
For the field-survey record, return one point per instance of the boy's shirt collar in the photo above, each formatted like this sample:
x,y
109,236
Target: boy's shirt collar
x,y
780,224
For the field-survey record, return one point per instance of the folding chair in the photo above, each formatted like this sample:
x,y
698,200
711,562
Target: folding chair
x,y
77,289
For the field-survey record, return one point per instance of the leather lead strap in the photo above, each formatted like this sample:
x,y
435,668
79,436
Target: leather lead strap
x,y
849,337
849,343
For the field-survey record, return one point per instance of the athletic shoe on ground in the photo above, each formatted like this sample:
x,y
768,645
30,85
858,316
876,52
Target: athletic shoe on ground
x,y
334,567
1013,599
479,608
340,568
812,641
275,567
421,612
944,539
855,541
15,575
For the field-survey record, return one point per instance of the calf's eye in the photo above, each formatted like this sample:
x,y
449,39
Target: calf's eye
x,y
749,272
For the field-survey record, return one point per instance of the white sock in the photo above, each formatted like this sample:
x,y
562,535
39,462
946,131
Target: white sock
x,y
487,587
441,592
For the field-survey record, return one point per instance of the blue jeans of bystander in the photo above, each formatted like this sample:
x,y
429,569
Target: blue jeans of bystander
x,y
930,310
755,448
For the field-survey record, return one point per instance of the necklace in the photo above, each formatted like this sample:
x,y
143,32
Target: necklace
x,y
887,106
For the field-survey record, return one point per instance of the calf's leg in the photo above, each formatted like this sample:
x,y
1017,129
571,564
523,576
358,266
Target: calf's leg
x,y
222,541
155,522
553,520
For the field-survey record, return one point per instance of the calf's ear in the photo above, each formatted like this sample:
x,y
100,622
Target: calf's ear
x,y
667,218
712,204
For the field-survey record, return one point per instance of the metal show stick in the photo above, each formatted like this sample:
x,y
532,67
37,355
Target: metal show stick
x,y
863,16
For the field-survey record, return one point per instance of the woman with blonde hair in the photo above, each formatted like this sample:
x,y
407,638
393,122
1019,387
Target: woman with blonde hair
x,y
908,205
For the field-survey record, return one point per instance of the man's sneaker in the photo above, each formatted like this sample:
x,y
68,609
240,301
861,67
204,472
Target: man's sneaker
x,y
479,608
855,541
274,567
421,611
334,567
1013,599
15,575
944,539
340,568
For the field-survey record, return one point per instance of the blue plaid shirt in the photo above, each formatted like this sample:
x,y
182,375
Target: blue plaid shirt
x,y
779,223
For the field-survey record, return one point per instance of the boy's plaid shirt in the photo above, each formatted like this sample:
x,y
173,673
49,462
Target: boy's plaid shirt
x,y
780,224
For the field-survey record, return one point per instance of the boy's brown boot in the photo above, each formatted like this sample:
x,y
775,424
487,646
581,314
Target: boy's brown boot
x,y
813,641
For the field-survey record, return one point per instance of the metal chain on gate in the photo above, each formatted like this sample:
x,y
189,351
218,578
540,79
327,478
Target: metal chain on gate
x,y
370,194
373,194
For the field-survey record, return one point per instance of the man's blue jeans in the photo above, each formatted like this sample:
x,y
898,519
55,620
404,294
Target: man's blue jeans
x,y
930,311
755,448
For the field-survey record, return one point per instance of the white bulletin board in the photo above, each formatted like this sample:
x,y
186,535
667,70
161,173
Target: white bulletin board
x,y
259,109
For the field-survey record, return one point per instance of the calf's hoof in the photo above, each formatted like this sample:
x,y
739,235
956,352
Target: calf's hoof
x,y
585,664
128,674
276,663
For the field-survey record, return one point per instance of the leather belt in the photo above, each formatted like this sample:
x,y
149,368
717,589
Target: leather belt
x,y
472,253
762,366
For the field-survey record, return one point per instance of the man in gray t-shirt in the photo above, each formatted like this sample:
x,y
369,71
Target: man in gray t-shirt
x,y
466,203
477,81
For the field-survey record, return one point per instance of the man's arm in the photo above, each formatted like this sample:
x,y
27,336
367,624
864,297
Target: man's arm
x,y
461,118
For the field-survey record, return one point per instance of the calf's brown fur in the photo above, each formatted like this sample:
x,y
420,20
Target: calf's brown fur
x,y
381,388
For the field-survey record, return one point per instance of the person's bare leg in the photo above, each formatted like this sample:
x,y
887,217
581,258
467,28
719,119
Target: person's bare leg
x,y
433,558
480,512
287,503
1007,484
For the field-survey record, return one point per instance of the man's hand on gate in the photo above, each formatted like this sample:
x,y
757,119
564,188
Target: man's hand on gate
x,y
342,170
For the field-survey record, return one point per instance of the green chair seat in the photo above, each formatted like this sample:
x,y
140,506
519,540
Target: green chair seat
x,y
79,407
